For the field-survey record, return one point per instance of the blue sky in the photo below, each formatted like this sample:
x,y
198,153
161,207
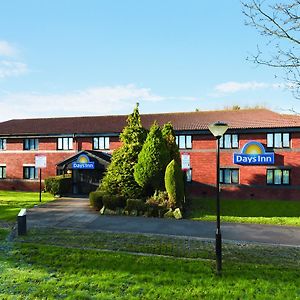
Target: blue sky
x,y
67,58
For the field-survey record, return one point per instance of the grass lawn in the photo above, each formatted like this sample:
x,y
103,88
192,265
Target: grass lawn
x,y
32,270
12,201
246,211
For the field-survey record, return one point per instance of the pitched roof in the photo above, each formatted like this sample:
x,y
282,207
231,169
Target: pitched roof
x,y
236,119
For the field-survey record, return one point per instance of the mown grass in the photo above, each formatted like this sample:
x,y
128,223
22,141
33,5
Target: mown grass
x,y
246,211
29,270
12,201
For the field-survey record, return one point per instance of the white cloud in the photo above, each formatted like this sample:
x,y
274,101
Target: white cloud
x,y
12,68
9,65
93,101
233,86
6,49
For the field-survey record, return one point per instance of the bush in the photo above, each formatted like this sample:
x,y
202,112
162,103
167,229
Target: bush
x,y
174,184
136,204
59,185
96,200
157,204
113,202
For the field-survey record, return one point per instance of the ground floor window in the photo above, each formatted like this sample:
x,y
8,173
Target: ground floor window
x,y
278,176
229,176
30,173
188,175
2,172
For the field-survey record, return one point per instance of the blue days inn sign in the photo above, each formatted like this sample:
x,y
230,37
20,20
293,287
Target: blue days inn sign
x,y
83,162
253,153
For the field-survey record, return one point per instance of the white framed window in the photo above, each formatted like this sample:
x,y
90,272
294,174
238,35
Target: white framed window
x,y
2,172
229,176
101,143
184,141
31,144
278,176
2,144
278,140
65,143
229,141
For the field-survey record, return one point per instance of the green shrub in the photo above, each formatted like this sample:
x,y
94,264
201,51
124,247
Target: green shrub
x,y
152,161
96,200
157,204
136,204
59,185
174,184
113,202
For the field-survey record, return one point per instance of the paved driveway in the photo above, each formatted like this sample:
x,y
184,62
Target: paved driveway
x,y
76,213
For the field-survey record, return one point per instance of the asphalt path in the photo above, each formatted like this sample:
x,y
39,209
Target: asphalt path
x,y
75,213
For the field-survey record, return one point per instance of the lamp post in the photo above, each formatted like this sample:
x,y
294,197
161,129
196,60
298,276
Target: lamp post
x,y
218,129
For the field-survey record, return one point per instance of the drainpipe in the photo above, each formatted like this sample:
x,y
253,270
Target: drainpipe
x,y
76,142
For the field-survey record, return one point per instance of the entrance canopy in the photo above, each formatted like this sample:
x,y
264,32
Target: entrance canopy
x,y
100,160
86,169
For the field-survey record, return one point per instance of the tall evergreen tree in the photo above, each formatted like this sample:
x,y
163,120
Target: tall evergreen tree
x,y
170,138
119,178
152,161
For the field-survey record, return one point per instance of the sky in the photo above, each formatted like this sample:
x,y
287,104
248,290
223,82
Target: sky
x,y
99,57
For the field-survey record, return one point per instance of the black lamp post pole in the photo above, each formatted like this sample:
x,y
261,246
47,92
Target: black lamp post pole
x,y
218,231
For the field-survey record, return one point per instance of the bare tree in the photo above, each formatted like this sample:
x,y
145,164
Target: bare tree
x,y
280,24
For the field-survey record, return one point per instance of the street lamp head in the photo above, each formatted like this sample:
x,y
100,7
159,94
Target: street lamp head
x,y
218,128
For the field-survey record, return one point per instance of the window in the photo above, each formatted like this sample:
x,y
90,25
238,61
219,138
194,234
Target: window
x,y
2,144
229,141
31,144
65,143
229,176
188,175
278,176
30,172
278,140
184,141
2,172
101,142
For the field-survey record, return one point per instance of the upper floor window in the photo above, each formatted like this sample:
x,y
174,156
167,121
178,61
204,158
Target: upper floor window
x,y
229,141
31,144
2,172
30,172
278,176
2,144
278,140
229,176
101,143
65,143
184,141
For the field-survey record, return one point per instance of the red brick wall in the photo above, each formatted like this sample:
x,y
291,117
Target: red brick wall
x,y
252,178
203,164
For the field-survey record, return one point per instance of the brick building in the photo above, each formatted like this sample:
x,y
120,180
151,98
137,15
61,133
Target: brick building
x,y
63,140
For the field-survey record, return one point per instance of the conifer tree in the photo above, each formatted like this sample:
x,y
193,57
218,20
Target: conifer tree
x,y
152,161
119,178
170,138
174,184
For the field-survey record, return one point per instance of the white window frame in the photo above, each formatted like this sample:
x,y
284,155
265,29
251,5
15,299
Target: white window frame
x,y
276,140
184,141
65,143
101,143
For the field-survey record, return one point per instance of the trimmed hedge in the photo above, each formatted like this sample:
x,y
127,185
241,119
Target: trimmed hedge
x,y
136,204
113,202
96,200
59,185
